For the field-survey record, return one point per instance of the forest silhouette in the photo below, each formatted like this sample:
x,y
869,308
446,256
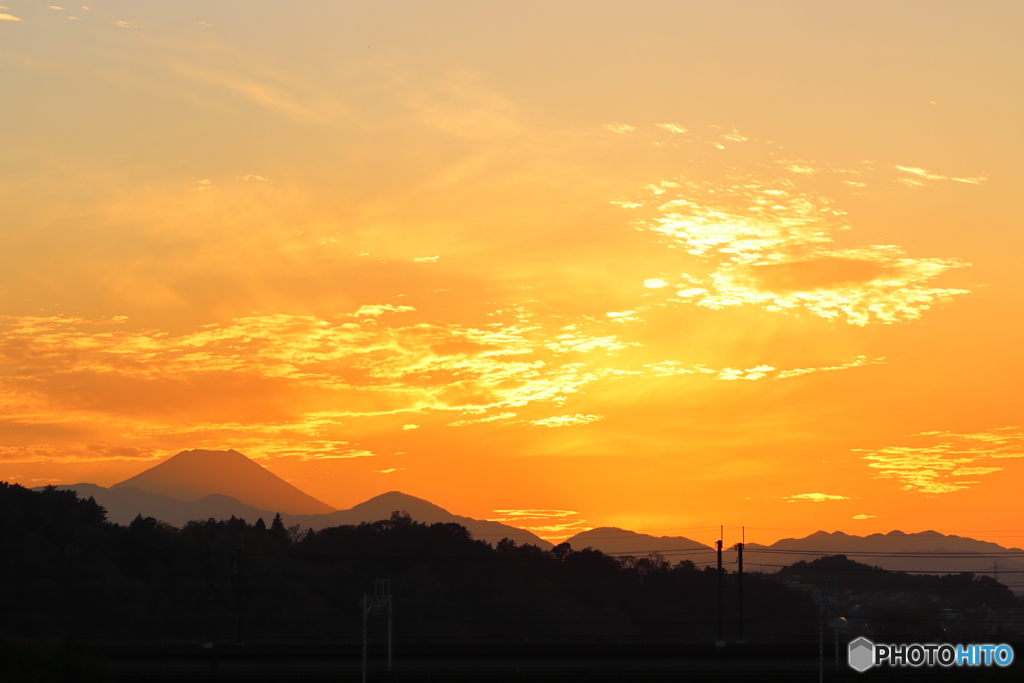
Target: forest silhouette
x,y
68,573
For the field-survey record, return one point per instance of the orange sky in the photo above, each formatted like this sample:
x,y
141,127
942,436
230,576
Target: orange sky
x,y
560,264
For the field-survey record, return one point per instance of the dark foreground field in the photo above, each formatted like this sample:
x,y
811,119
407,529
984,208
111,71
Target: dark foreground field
x,y
85,600
259,662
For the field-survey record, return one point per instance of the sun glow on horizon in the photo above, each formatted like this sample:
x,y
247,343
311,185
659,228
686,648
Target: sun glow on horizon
x,y
501,262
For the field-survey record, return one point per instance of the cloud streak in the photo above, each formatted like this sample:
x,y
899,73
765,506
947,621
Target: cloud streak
x,y
770,239
772,246
815,497
935,461
361,364
551,525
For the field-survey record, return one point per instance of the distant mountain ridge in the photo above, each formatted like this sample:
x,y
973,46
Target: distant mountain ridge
x,y
124,503
191,475
381,507
199,484
615,541
925,551
621,542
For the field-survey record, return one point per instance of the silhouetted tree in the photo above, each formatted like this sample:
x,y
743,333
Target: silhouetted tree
x,y
59,556
278,531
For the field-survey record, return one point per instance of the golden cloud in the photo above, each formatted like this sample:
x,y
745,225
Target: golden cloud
x,y
769,240
79,452
920,174
566,420
551,525
669,367
672,128
271,376
934,466
815,497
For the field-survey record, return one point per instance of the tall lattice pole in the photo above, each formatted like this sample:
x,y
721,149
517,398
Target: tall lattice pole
x,y
721,625
739,585
366,614
821,635
833,606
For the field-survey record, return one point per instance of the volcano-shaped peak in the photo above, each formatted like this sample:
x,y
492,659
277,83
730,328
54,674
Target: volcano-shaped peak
x,y
191,475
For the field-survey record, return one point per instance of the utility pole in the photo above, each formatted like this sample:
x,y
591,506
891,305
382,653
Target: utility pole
x,y
739,586
833,608
382,592
366,613
828,606
721,632
381,601
238,590
821,635
209,597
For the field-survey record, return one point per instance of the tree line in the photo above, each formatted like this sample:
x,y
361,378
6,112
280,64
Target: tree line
x,y
65,570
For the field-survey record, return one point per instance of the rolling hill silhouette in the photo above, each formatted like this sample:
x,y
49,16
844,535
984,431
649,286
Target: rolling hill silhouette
x,y
125,503
191,475
381,507
615,541
925,551
199,484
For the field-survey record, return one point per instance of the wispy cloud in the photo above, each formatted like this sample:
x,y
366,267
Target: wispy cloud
x,y
771,245
934,461
567,420
667,368
376,310
78,452
496,417
673,128
919,175
254,368
757,372
815,497
855,363
551,525
290,94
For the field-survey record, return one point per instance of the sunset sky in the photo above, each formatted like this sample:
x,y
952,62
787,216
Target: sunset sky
x,y
659,265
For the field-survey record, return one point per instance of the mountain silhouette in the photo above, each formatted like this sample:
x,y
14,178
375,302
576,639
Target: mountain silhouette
x,y
615,541
124,503
381,507
924,551
191,475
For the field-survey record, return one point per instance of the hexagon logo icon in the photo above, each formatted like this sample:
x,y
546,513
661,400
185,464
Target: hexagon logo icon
x,y
862,654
